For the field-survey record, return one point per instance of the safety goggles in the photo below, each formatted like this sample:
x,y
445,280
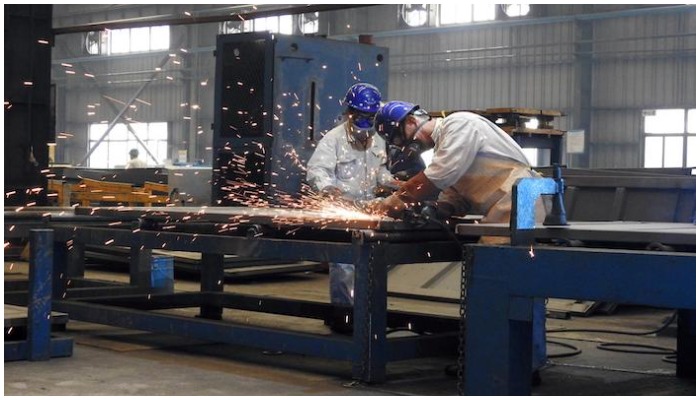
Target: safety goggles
x,y
362,120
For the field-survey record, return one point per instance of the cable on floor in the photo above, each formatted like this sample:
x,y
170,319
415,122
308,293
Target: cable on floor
x,y
625,347
632,333
673,359
575,349
622,347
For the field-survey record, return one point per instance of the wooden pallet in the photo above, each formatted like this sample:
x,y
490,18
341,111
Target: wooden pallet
x,y
512,119
91,191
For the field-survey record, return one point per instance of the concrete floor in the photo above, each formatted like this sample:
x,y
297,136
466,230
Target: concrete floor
x,y
115,361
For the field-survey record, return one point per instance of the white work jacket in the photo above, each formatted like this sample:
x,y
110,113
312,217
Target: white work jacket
x,y
475,164
356,172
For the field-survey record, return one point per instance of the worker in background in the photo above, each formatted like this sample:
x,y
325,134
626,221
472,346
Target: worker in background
x,y
474,166
134,160
349,163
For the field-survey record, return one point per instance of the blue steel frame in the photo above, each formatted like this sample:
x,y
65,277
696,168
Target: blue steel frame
x,y
368,349
39,346
498,334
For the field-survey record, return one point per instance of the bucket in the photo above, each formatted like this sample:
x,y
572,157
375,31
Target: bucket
x,y
162,273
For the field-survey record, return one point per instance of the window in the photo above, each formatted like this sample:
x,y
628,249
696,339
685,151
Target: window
x,y
283,24
308,23
130,40
463,13
95,42
670,138
113,151
234,27
414,14
516,10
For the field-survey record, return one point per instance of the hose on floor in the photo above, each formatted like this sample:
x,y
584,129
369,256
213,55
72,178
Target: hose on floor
x,y
624,347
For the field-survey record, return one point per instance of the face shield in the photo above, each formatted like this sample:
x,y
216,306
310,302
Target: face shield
x,y
410,146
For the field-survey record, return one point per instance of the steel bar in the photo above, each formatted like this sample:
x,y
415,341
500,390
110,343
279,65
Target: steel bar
x,y
249,215
334,347
623,232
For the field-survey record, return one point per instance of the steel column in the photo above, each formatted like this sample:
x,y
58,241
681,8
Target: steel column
x,y
39,346
370,314
212,280
39,307
140,267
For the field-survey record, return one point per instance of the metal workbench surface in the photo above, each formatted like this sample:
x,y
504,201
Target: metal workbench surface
x,y
330,217
669,233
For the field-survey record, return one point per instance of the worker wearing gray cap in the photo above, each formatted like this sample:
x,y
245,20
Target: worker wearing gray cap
x,y
349,163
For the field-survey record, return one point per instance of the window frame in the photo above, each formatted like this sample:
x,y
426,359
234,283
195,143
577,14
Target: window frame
x,y
664,136
108,43
473,8
160,131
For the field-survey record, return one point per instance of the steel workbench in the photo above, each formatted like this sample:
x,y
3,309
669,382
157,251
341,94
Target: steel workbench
x,y
371,244
502,281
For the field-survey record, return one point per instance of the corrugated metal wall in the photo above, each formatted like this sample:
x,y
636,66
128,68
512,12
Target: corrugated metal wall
x,y
638,62
640,59
479,68
643,62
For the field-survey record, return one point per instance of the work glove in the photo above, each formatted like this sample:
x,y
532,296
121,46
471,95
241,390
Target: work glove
x,y
392,206
331,191
382,191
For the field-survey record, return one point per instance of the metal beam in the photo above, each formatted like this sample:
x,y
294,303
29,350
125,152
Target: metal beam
x,y
149,21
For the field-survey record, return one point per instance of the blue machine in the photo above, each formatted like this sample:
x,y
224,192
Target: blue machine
x,y
275,96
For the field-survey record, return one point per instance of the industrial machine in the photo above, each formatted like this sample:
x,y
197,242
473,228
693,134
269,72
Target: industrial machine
x,y
275,96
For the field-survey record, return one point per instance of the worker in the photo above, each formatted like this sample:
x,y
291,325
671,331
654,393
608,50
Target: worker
x,y
134,160
474,166
349,162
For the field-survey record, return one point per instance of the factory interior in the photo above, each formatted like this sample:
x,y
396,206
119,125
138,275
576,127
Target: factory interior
x,y
509,208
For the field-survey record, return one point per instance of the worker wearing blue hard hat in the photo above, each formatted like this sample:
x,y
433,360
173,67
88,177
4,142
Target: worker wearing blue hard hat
x,y
350,163
474,167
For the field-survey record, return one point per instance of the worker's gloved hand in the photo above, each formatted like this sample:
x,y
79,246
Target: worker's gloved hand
x,y
331,191
392,206
382,191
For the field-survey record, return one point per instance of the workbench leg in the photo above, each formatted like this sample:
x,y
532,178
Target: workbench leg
x,y
76,261
685,344
140,267
211,280
369,325
60,271
39,300
497,337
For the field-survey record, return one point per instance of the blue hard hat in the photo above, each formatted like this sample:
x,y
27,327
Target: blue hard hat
x,y
388,120
363,97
